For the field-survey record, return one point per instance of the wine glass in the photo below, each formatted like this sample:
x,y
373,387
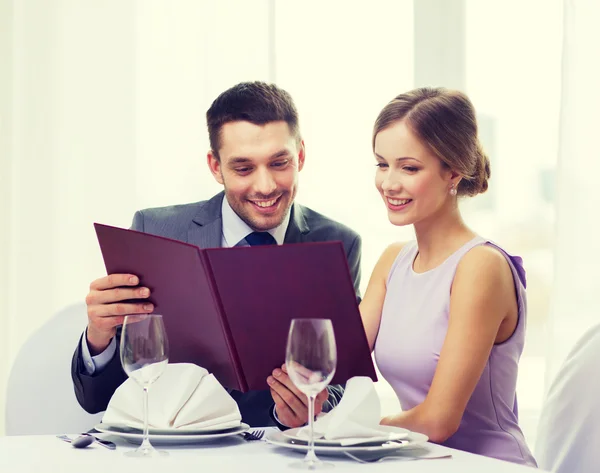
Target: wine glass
x,y
310,360
144,356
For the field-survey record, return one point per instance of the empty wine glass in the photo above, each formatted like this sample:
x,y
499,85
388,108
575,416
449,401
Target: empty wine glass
x,y
310,360
144,356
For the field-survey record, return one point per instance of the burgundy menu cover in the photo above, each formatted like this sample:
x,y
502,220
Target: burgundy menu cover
x,y
229,309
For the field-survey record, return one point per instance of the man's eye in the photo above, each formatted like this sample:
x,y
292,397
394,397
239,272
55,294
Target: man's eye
x,y
278,164
242,170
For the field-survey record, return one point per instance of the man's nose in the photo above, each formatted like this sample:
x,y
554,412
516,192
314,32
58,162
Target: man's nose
x,y
265,183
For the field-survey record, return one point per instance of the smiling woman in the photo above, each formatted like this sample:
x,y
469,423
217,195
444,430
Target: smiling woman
x,y
445,314
452,161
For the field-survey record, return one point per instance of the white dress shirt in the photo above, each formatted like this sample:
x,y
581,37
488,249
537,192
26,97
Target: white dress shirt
x,y
568,439
235,231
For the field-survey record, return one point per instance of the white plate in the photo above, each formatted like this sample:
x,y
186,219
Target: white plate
x,y
126,429
278,439
171,438
398,434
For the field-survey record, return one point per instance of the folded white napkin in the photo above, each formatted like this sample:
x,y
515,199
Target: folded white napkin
x,y
356,418
184,398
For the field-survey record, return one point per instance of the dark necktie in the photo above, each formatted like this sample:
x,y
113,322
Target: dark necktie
x,y
260,238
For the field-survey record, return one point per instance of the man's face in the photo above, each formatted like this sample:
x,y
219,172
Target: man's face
x,y
259,168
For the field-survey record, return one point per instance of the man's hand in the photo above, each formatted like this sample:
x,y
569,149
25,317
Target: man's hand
x,y
106,310
291,405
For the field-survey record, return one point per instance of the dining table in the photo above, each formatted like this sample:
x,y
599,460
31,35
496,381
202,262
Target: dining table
x,y
47,453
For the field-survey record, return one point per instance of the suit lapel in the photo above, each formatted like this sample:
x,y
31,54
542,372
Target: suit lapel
x,y
298,227
206,228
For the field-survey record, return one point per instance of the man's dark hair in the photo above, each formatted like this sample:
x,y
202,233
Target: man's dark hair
x,y
255,102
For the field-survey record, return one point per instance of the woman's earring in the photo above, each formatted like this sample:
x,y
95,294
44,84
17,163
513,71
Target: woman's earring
x,y
452,190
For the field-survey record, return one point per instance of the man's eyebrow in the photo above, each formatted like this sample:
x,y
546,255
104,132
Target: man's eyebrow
x,y
280,154
244,160
239,160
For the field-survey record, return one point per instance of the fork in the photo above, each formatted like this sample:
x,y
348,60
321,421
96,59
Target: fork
x,y
393,457
255,435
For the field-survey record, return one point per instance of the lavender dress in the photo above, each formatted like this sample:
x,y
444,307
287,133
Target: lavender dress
x,y
413,328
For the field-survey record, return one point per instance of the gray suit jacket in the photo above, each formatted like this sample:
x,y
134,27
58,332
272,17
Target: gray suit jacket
x,y
200,224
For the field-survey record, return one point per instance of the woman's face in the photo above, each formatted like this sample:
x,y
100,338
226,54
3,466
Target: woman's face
x,y
412,181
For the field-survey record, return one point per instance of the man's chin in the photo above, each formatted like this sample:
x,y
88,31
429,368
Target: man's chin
x,y
262,223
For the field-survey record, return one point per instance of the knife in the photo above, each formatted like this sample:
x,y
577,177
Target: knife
x,y
105,443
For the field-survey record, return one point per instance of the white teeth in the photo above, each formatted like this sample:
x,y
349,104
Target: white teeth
x,y
268,203
398,202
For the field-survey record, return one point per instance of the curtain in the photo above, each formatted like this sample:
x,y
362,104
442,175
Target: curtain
x,y
575,305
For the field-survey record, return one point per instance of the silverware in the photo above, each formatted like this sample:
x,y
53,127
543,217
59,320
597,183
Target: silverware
x,y
379,458
105,443
86,439
255,435
78,442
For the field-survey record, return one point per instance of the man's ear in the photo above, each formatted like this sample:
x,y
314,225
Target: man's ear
x,y
301,156
214,164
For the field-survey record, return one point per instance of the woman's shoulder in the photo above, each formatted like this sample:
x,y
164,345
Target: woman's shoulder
x,y
390,255
485,262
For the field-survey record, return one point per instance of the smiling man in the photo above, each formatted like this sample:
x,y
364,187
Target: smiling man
x,y
256,154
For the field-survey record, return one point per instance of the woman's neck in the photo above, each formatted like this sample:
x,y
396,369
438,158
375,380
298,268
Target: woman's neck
x,y
439,237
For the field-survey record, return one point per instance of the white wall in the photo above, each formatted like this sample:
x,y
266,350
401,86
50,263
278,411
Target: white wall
x,y
71,111
5,186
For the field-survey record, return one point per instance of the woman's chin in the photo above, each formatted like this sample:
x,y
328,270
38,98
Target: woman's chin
x,y
399,221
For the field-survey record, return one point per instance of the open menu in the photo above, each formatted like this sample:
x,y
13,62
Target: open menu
x,y
229,309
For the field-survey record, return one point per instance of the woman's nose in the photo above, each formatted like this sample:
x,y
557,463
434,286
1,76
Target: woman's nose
x,y
390,185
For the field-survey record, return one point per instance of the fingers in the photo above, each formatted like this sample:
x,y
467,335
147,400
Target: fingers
x,y
114,280
282,376
285,414
109,296
103,311
299,369
110,299
388,420
306,373
291,404
320,398
294,401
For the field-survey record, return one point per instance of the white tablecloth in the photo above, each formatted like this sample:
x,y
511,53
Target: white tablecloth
x,y
25,454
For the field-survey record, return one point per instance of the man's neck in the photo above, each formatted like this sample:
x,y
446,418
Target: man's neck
x,y
235,229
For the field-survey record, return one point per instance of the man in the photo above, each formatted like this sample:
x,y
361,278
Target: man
x,y
256,154
568,433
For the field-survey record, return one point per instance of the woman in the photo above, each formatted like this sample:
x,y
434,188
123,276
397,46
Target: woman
x,y
445,314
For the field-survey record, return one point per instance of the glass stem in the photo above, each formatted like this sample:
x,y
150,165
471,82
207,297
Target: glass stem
x,y
311,458
146,442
